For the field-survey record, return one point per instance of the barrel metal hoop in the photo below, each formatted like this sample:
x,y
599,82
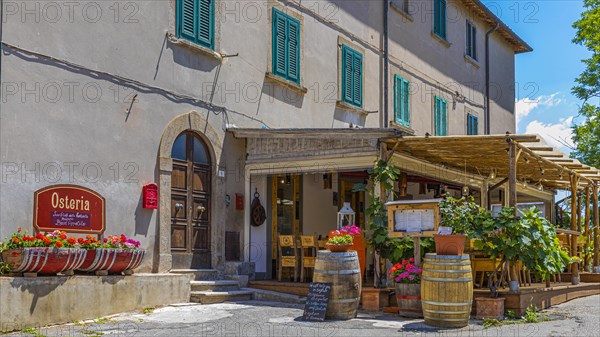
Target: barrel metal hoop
x,y
447,264
337,272
438,279
444,312
346,300
446,319
447,271
445,304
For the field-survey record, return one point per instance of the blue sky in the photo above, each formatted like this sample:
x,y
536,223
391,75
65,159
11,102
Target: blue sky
x,y
545,76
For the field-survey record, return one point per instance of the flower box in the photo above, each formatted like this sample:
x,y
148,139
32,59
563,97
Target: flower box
x,y
112,260
44,260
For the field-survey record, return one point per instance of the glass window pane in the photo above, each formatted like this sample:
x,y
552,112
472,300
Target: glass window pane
x,y
200,154
178,151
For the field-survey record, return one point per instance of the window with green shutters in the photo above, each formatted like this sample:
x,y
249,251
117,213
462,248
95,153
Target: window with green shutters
x,y
401,101
471,49
439,17
286,46
196,21
472,125
440,117
351,76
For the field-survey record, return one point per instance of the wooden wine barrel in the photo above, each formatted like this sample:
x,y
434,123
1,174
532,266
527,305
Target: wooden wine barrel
x,y
408,297
343,271
446,290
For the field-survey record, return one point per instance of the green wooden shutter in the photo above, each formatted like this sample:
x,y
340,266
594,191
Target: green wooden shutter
x,y
357,80
279,44
444,113
468,36
397,101
186,16
443,18
347,62
436,117
205,22
293,50
474,43
406,102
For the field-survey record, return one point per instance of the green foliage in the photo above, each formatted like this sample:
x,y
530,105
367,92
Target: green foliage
x,y
491,322
340,240
510,314
33,331
587,135
530,239
5,268
461,214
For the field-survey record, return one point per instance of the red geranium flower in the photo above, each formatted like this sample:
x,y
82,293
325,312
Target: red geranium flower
x,y
105,240
19,229
16,240
40,236
80,240
71,240
59,244
63,237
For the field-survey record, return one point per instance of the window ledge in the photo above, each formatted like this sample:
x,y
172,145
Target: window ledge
x,y
440,39
402,12
402,128
173,39
471,60
285,83
349,107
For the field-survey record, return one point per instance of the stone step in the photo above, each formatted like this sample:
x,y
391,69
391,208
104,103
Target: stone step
x,y
209,297
199,274
274,296
217,285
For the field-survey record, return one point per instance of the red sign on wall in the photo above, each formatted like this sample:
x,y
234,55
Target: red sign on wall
x,y
68,208
150,196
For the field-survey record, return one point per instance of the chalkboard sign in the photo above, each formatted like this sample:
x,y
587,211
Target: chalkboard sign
x,y
316,302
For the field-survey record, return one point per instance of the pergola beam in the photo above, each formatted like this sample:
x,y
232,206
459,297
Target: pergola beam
x,y
574,266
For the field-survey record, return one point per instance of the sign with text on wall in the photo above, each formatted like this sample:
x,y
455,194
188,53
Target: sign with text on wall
x,y
69,208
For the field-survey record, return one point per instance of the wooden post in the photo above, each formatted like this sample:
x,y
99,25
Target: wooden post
x,y
512,175
596,227
403,184
574,266
586,229
485,194
417,250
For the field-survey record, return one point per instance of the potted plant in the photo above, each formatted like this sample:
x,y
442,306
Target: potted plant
x,y
112,255
458,214
46,254
342,239
529,239
408,288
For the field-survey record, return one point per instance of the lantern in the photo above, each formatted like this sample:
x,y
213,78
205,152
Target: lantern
x,y
345,216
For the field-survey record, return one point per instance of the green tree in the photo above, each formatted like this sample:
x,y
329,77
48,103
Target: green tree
x,y
587,135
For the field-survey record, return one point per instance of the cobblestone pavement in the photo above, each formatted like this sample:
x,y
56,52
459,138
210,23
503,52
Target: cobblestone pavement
x,y
580,317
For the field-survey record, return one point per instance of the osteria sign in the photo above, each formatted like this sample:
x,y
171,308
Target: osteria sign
x,y
70,208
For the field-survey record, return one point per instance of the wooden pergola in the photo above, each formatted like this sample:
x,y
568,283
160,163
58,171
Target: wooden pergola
x,y
514,159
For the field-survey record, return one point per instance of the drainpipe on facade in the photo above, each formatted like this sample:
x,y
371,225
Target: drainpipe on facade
x,y
487,78
386,62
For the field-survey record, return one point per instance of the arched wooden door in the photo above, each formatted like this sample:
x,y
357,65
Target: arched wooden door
x,y
190,203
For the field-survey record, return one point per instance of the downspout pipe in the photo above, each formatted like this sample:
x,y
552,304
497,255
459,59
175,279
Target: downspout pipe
x,y
487,78
386,62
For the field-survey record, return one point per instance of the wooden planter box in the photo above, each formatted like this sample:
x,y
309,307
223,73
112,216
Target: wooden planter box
x,y
375,299
111,260
44,260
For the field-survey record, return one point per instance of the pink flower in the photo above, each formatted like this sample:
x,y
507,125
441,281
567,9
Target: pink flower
x,y
404,275
411,277
398,279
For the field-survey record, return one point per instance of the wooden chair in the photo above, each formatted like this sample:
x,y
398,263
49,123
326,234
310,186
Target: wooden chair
x,y
308,252
287,261
483,265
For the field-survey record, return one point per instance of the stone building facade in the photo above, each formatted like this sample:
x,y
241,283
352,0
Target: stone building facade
x,y
99,93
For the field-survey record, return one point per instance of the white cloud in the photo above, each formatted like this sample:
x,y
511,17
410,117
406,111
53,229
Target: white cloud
x,y
557,135
525,105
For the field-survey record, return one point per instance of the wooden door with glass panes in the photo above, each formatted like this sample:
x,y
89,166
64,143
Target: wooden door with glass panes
x,y
190,203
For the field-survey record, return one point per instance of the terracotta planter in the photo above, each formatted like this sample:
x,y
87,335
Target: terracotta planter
x,y
374,299
338,248
112,260
450,244
487,307
43,260
408,297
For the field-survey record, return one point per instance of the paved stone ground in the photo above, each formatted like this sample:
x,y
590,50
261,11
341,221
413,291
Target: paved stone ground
x,y
580,317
